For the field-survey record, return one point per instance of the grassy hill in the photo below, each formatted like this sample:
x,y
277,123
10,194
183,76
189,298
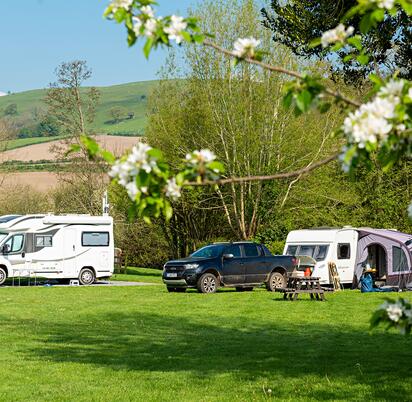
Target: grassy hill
x,y
131,97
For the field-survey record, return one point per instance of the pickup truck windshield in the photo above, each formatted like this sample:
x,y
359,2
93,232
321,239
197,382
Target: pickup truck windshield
x,y
209,251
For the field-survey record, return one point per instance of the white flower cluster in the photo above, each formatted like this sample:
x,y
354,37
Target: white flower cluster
x,y
200,157
373,120
146,21
338,34
388,4
173,190
245,47
146,24
395,311
175,29
118,4
125,171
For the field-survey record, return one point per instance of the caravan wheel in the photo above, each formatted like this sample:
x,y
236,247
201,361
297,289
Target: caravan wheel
x,y
3,276
86,276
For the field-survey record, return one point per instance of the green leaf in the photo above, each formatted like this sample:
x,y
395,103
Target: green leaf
x,y
366,23
186,36
407,6
376,79
107,156
348,57
91,146
377,15
73,149
356,41
363,59
304,100
167,211
324,107
314,43
148,47
287,99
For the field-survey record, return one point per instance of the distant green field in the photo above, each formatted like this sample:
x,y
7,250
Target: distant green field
x,y
24,142
132,97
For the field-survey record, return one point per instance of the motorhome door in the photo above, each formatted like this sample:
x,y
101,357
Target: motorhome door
x,y
70,250
16,254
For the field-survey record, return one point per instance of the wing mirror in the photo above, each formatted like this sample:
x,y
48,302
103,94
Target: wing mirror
x,y
5,249
228,256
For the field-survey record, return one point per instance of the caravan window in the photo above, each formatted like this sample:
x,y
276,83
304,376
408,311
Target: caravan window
x,y
95,239
291,250
321,253
343,251
307,250
44,241
399,262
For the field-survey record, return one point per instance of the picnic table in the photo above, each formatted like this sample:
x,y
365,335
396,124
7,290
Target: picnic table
x,y
297,285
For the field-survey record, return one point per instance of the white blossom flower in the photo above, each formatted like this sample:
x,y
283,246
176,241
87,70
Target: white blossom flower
x,y
137,24
147,10
394,312
338,34
150,27
388,4
400,127
245,47
118,4
173,190
139,157
132,190
174,30
371,121
393,88
202,156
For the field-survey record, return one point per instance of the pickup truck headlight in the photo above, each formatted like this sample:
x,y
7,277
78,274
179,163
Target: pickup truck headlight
x,y
191,266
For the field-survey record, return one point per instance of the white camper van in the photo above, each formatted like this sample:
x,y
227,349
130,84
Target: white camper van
x,y
56,247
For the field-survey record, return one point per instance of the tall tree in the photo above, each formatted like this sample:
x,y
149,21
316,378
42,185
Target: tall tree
x,y
237,114
73,108
296,23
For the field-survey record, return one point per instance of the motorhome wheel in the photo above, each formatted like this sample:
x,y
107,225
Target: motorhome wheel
x,y
86,276
3,276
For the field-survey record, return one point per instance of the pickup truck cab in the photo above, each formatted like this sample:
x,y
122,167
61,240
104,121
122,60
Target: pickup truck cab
x,y
243,265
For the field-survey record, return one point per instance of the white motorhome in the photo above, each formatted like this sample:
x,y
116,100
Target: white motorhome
x,y
56,247
351,249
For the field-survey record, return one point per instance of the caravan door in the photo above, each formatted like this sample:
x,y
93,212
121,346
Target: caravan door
x,y
346,242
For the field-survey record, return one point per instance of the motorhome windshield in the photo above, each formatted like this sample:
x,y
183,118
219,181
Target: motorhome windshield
x,y
3,236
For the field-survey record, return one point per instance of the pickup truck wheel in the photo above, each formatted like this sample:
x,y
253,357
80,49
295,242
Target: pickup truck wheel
x,y
3,276
208,283
276,281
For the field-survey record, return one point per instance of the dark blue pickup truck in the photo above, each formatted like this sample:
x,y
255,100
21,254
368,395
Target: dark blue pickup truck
x,y
242,265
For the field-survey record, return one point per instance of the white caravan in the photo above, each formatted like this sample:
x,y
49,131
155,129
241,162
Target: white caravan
x,y
56,247
352,249
326,245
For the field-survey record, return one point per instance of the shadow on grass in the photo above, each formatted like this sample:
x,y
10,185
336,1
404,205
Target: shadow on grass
x,y
342,360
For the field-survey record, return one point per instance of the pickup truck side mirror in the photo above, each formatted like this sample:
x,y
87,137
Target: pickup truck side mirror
x,y
228,256
5,249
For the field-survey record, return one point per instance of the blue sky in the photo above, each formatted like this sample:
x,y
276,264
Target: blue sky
x,y
37,35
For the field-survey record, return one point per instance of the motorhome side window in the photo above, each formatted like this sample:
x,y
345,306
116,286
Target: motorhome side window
x,y
15,243
399,262
343,251
44,241
95,239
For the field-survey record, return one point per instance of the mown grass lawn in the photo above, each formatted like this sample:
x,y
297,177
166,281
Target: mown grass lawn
x,y
144,344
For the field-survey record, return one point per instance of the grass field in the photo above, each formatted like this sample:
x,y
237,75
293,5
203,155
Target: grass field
x,y
144,344
132,97
24,142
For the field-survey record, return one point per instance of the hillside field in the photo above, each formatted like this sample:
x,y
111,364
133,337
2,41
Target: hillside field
x,y
132,97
